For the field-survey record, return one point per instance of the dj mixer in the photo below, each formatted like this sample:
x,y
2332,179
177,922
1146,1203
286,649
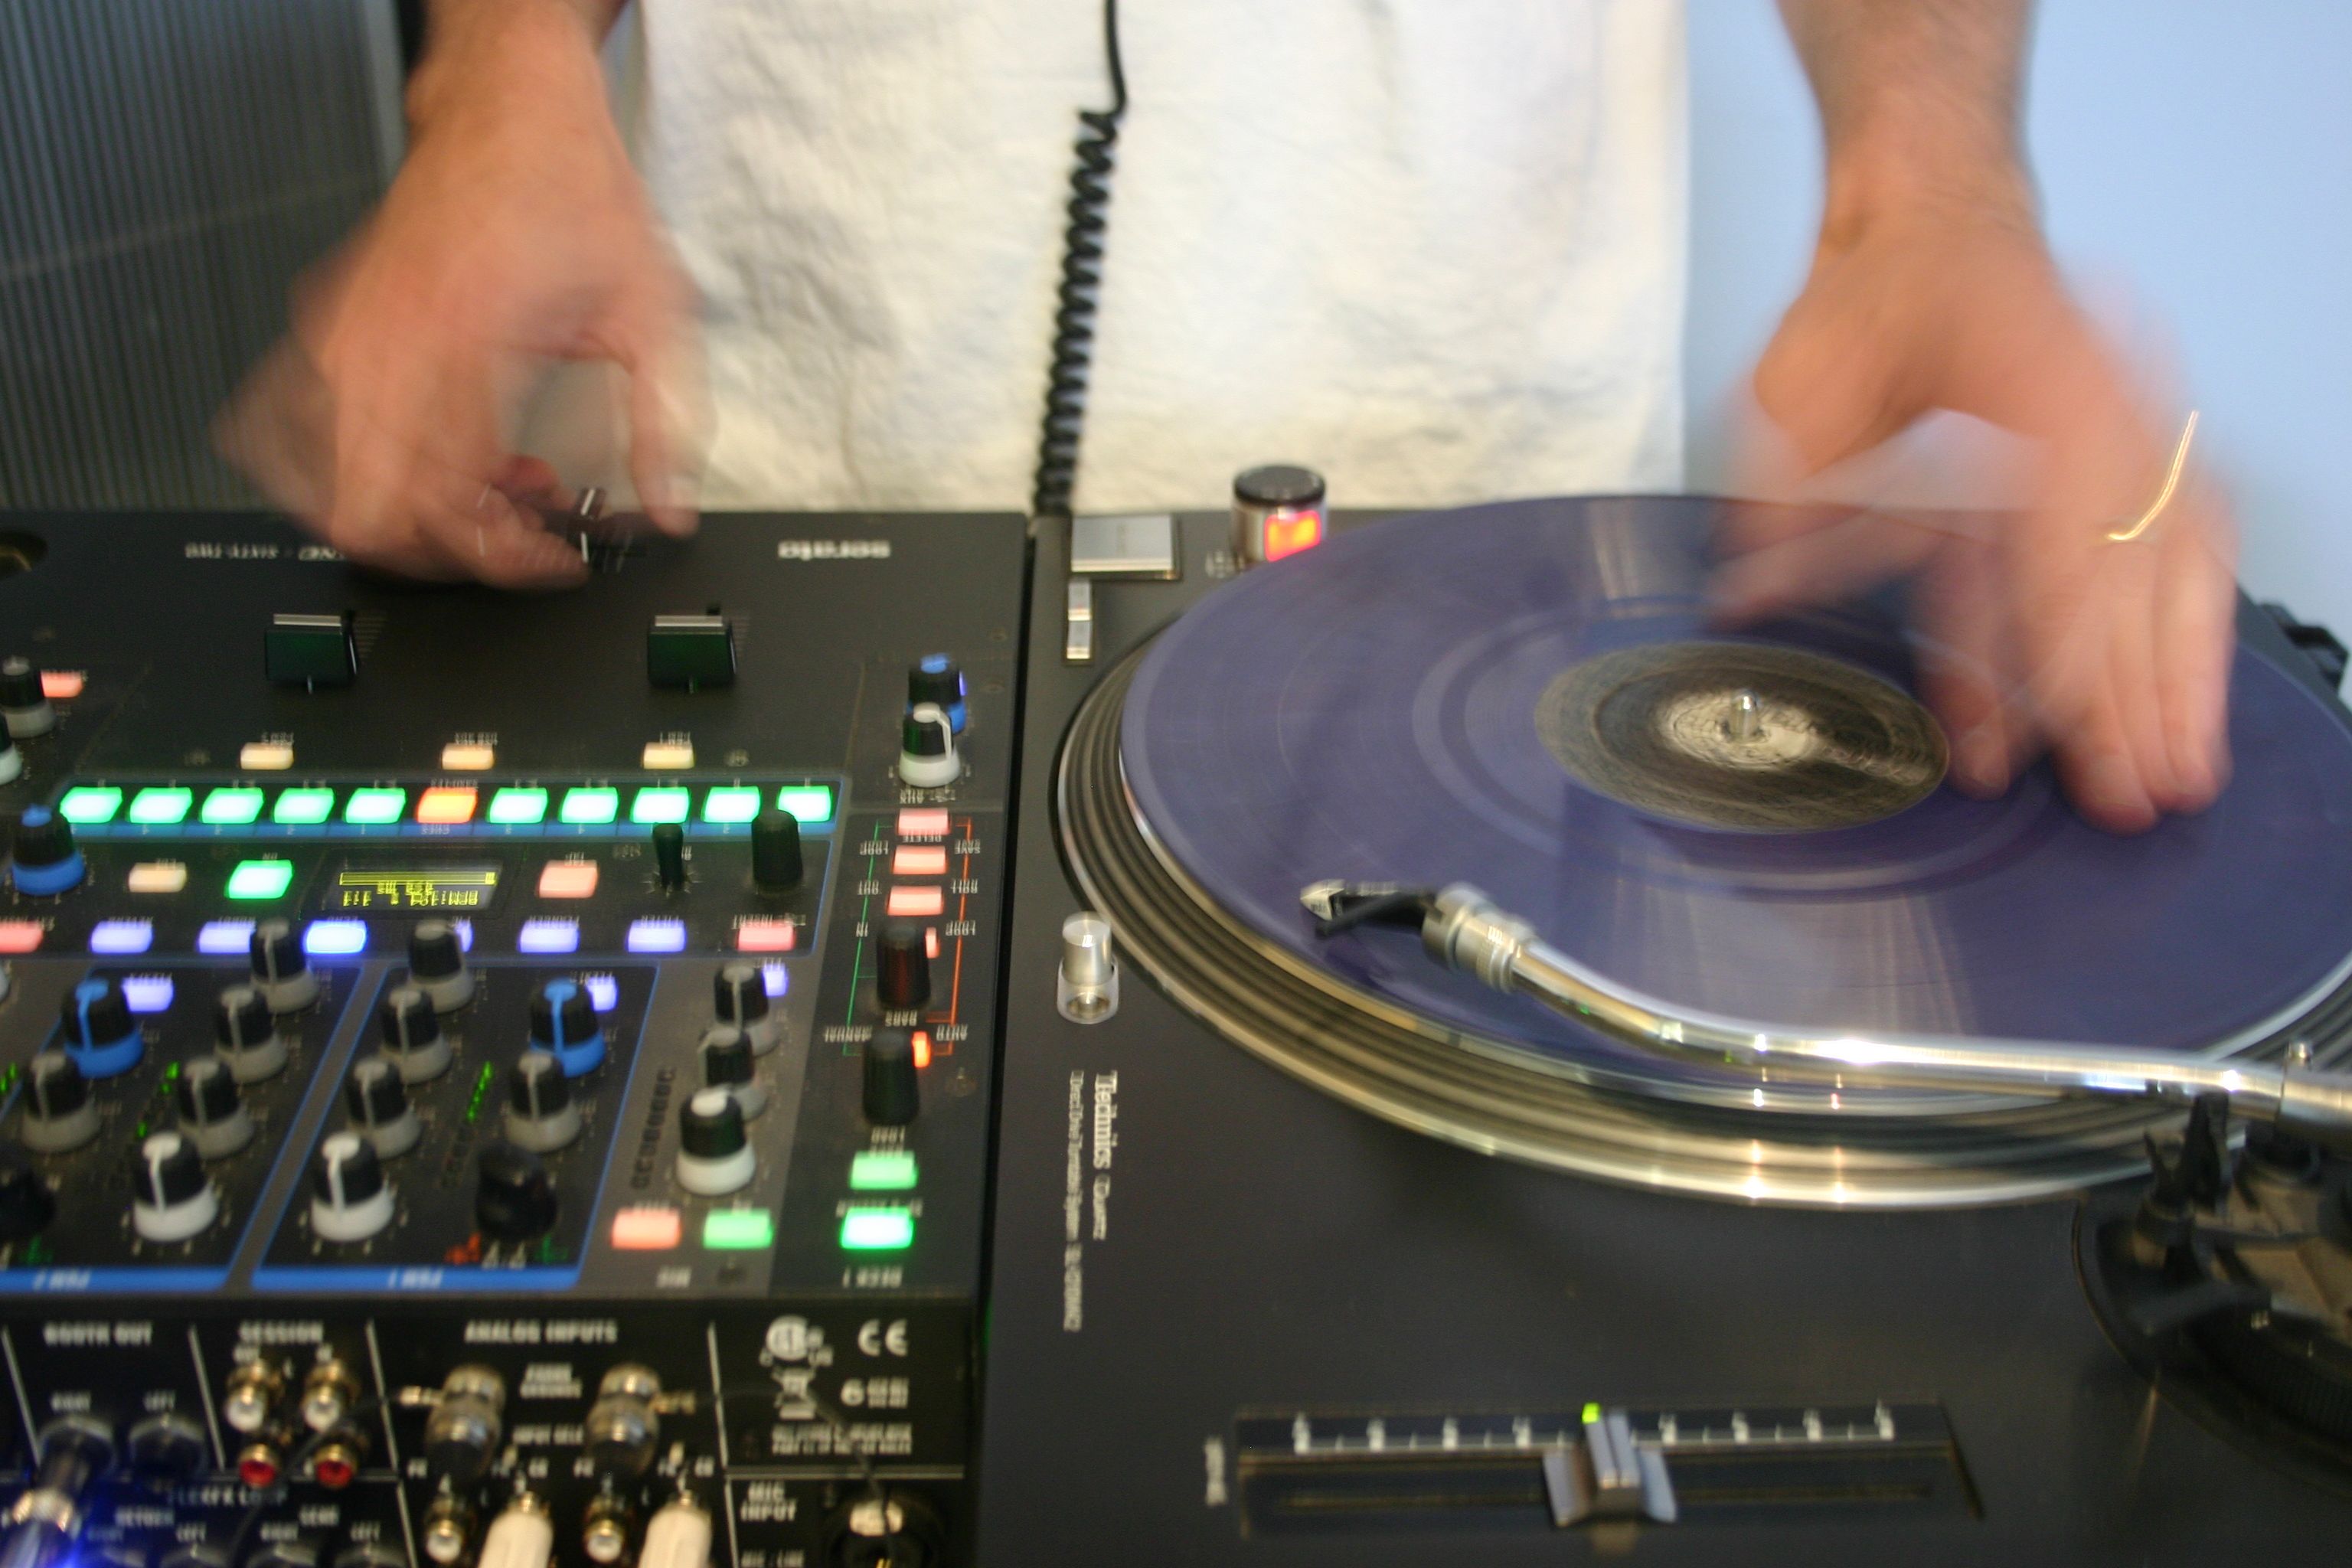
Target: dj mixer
x,y
500,1080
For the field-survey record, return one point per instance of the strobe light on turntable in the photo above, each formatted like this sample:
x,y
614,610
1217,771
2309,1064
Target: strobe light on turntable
x,y
1885,1175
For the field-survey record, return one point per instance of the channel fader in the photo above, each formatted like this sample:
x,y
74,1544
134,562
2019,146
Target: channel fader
x,y
495,1079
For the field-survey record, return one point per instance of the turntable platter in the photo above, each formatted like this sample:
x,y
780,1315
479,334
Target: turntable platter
x,y
1378,710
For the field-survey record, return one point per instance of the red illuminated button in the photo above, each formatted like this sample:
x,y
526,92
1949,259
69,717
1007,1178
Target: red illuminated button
x,y
1288,533
923,821
919,860
765,936
19,936
568,879
922,1039
62,685
647,1228
445,805
912,903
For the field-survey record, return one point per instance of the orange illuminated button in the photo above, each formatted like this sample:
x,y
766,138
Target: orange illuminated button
x,y
919,860
1288,533
923,821
648,1227
909,903
446,805
765,936
62,685
19,936
568,879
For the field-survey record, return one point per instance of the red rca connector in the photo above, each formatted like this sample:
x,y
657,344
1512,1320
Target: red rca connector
x,y
257,1466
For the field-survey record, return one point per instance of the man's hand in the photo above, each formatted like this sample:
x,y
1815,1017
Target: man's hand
x,y
1931,289
517,234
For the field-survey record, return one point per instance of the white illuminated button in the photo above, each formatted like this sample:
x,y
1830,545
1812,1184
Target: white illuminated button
x,y
919,860
669,756
923,821
158,877
469,757
265,756
910,903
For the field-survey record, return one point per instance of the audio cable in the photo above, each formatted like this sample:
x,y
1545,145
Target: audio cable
x,y
1079,293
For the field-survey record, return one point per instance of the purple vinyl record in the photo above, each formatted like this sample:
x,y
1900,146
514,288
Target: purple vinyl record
x,y
1368,712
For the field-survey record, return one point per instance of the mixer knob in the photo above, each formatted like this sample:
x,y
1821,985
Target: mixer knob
x,y
413,1039
741,997
172,1198
59,1113
540,1114
23,704
935,678
670,857
12,761
462,1437
726,1053
436,965
100,1035
42,859
776,851
903,979
350,1199
927,749
281,971
26,1204
714,1154
514,1197
246,1031
893,1087
212,1111
165,1451
376,1101
563,1024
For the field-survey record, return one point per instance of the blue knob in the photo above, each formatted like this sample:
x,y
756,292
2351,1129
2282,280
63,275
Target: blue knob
x,y
101,1037
43,860
563,1023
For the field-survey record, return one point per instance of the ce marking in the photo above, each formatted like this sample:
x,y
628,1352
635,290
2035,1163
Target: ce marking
x,y
874,1337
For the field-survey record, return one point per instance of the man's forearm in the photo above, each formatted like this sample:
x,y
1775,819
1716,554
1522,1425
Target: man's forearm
x,y
471,44
1919,100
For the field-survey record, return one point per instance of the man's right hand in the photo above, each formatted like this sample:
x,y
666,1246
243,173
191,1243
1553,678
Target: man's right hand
x,y
516,235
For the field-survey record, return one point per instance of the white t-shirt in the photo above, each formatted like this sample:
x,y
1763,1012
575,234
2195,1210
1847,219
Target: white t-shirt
x,y
1433,249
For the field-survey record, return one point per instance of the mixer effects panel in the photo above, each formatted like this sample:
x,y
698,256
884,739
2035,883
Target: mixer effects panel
x,y
491,1079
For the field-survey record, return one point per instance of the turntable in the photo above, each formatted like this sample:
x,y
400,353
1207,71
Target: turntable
x,y
1574,1079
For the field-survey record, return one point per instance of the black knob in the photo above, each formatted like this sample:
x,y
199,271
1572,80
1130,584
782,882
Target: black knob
x,y
95,1016
412,1038
208,1094
776,851
536,1090
514,1197
711,1125
923,737
376,1100
669,856
903,979
26,1204
281,968
42,837
167,1170
347,1172
433,951
242,1020
935,678
54,1087
164,1451
740,994
893,1085
726,1052
20,683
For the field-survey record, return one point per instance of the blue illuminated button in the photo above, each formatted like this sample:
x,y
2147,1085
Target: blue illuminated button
x,y
590,808
374,807
876,1229
225,937
656,936
100,1035
256,880
658,803
147,992
87,805
728,804
812,804
161,807
563,1023
603,992
303,808
881,1170
44,860
121,937
334,938
517,807
231,807
548,936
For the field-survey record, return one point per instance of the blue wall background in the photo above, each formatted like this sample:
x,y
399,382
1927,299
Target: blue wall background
x,y
2199,152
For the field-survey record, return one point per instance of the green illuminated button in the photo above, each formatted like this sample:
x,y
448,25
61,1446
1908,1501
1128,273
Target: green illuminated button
x,y
301,807
877,1230
519,807
812,804
881,1170
260,879
371,807
231,807
89,804
658,803
730,802
736,1230
161,807
588,806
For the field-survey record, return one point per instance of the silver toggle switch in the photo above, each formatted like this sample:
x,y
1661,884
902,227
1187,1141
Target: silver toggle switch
x,y
1086,988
